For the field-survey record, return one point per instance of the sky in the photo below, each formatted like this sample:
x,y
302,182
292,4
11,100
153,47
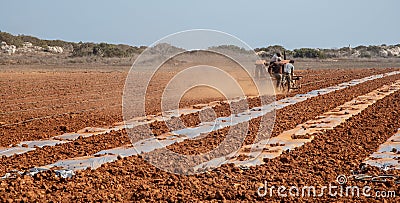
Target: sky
x,y
259,23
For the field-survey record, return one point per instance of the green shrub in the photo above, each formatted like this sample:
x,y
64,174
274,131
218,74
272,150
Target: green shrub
x,y
233,48
365,54
308,53
105,50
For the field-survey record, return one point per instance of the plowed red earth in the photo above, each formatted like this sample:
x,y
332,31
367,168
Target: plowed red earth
x,y
41,105
316,164
286,118
77,100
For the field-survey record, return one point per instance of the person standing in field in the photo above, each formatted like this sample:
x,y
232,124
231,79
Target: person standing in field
x,y
275,68
288,72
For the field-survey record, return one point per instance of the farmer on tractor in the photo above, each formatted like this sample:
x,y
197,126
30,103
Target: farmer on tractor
x,y
277,57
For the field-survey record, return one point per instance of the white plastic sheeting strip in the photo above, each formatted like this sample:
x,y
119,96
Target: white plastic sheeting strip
x,y
388,155
27,146
14,150
328,120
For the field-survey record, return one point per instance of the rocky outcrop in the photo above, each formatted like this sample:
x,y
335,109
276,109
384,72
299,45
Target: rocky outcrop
x,y
8,49
394,51
28,47
54,50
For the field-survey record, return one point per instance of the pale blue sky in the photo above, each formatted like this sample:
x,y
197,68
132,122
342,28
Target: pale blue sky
x,y
291,23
